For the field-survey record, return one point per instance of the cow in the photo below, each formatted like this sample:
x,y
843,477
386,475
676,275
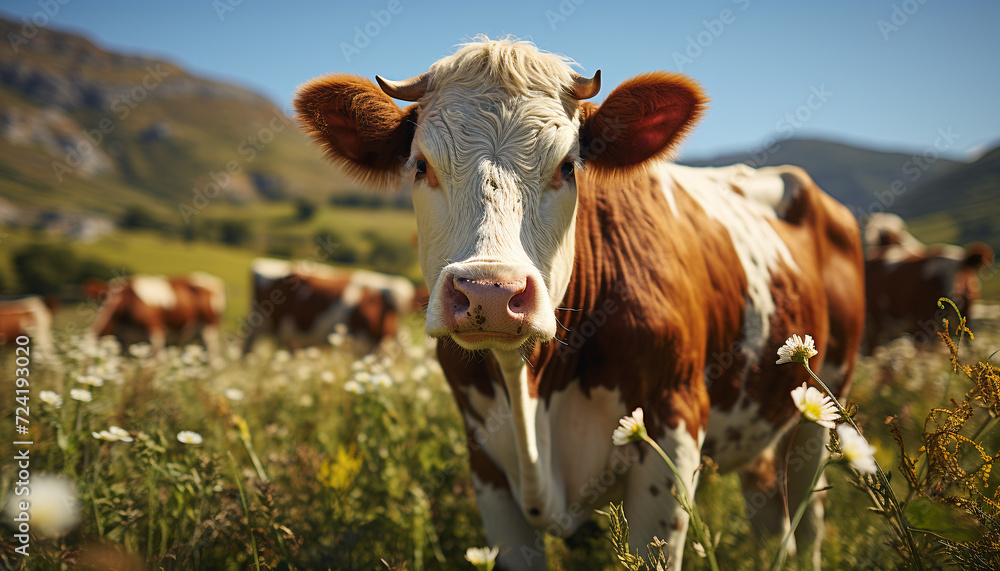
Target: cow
x,y
29,316
159,309
905,278
303,302
577,274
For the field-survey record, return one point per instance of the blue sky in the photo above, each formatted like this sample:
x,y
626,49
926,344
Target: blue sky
x,y
883,74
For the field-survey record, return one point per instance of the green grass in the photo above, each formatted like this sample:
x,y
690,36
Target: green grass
x,y
344,462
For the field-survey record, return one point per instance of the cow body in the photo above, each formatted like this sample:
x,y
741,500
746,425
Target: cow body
x,y
905,278
565,298
28,316
302,303
160,310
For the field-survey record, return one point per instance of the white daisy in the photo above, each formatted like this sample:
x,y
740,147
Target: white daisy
x,y
815,406
53,508
796,350
81,395
51,398
856,450
631,429
482,557
188,437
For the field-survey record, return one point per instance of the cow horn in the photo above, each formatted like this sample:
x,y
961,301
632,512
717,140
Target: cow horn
x,y
407,90
585,88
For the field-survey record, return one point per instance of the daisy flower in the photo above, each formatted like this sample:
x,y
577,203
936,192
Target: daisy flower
x,y
482,557
189,437
631,429
51,398
815,406
81,395
856,450
796,350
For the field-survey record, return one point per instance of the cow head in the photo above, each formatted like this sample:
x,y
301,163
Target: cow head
x,y
492,147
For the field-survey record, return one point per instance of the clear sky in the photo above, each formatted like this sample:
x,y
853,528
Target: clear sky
x,y
884,74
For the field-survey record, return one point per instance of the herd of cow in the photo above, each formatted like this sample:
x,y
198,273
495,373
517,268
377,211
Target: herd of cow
x,y
301,303
543,219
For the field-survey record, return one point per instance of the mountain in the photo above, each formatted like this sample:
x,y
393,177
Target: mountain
x,y
860,178
962,205
84,129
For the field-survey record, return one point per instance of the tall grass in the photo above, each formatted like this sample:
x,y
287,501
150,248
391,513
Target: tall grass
x,y
325,459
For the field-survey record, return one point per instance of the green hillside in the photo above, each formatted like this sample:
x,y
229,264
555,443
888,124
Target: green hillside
x,y
87,130
964,202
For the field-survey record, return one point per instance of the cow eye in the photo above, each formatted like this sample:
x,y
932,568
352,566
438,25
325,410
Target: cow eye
x,y
421,167
567,168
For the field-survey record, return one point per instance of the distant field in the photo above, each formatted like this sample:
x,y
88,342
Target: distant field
x,y
150,252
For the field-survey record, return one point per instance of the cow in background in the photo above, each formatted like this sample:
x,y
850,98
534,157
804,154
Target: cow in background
x,y
301,303
160,309
904,278
30,316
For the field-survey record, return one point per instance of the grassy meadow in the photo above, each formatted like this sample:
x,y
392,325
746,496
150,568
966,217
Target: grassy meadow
x,y
327,459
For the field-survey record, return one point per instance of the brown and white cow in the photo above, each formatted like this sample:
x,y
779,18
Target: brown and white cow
x,y
302,303
30,316
904,278
542,215
160,309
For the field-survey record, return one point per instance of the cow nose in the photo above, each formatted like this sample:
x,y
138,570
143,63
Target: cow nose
x,y
491,305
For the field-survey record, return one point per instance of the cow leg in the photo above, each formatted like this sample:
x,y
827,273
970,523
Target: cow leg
x,y
650,507
808,450
764,483
521,545
210,335
157,339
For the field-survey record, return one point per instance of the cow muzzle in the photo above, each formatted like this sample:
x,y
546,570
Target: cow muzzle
x,y
490,306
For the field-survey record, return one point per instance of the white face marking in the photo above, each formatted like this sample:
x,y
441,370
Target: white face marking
x,y
154,291
495,157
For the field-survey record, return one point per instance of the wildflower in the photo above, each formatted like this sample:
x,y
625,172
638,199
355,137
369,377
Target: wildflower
x,y
339,473
51,398
188,437
856,450
815,406
233,394
307,400
121,433
327,376
482,557
53,509
419,373
140,350
354,387
796,350
335,339
381,380
632,429
92,380
81,395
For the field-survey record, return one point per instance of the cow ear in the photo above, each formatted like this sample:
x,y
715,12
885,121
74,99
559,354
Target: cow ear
x,y
978,255
643,118
359,127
